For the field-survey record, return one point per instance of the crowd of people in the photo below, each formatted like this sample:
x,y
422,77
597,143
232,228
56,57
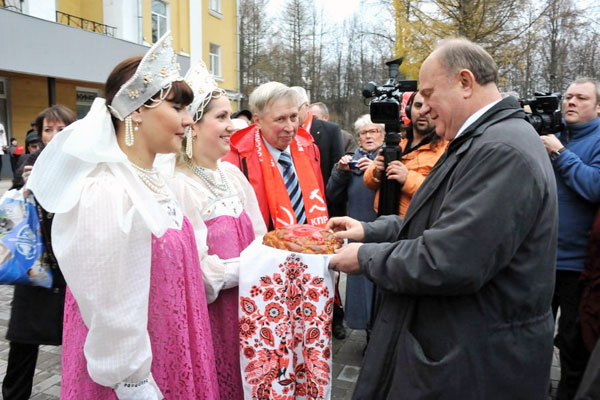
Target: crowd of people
x,y
147,202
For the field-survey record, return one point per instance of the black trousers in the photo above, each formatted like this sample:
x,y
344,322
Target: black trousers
x,y
18,381
590,384
572,351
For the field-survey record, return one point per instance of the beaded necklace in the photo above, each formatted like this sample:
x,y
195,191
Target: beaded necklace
x,y
210,183
150,178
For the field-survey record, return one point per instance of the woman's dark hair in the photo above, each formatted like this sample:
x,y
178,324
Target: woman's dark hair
x,y
180,92
58,113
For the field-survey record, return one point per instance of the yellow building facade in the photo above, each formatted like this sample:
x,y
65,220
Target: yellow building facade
x,y
220,42
63,50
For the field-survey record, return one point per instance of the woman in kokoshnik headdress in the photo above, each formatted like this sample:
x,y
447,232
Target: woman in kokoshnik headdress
x,y
136,322
223,209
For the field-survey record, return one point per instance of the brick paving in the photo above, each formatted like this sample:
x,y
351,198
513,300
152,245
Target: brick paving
x,y
347,356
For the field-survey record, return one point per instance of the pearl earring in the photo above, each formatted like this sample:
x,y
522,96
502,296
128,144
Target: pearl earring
x,y
129,132
188,142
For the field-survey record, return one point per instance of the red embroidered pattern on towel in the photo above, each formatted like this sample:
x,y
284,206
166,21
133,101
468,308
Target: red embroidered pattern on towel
x,y
285,333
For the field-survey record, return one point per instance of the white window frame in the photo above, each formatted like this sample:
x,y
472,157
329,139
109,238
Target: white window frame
x,y
215,60
4,97
215,7
4,94
167,18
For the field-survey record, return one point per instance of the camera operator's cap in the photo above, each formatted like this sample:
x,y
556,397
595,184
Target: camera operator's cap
x,y
157,71
32,137
204,87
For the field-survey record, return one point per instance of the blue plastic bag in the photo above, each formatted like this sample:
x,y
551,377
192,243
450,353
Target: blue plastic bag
x,y
21,242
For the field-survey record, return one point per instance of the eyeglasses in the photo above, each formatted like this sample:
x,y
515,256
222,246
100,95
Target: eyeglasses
x,y
373,132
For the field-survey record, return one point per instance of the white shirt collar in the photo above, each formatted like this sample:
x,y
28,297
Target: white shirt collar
x,y
474,117
275,152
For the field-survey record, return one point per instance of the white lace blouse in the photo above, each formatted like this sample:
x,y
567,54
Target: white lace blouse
x,y
104,250
199,204
102,230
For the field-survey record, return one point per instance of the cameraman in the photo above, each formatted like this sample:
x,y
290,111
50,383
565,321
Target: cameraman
x,y
467,277
575,155
421,149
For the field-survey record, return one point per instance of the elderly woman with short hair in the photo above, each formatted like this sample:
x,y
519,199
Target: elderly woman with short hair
x,y
280,159
346,185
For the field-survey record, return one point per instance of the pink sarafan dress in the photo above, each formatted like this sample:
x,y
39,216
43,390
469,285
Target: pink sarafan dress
x,y
183,359
227,236
225,223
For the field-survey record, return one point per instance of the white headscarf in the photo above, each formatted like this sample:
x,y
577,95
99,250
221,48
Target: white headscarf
x,y
64,164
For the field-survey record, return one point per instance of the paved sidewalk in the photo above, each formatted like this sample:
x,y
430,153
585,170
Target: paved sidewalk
x,y
347,355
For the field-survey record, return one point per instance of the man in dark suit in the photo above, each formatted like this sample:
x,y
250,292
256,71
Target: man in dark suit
x,y
327,136
467,276
321,111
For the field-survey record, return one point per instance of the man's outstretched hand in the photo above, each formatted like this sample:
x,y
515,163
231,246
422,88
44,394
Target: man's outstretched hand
x,y
346,259
347,228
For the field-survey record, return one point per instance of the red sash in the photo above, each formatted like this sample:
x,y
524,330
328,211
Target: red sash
x,y
308,122
278,198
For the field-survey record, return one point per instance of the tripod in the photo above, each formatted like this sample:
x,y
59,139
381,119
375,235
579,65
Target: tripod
x,y
389,194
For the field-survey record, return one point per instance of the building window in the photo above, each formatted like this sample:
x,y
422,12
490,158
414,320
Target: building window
x,y
160,19
215,59
215,5
4,106
85,98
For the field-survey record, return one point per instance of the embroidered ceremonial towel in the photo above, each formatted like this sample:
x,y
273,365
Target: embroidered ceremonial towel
x,y
286,309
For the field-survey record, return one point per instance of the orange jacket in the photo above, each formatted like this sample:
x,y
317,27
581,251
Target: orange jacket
x,y
419,163
243,155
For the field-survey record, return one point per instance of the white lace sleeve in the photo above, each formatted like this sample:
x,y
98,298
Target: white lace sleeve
x,y
104,249
218,274
248,197
193,200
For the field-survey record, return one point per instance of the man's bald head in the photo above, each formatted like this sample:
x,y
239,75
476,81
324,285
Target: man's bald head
x,y
456,80
459,53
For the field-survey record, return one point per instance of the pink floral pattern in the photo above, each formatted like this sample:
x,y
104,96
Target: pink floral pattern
x,y
227,236
183,359
285,327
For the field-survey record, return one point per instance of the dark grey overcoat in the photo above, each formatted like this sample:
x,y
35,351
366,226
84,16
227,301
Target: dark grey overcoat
x,y
467,279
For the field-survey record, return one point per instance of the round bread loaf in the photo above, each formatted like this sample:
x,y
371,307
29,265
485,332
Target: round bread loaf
x,y
306,239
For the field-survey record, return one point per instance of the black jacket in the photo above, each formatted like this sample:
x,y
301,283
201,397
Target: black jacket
x,y
24,160
328,138
37,313
467,278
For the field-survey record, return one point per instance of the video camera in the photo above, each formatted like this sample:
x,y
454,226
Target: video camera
x,y
545,115
385,109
